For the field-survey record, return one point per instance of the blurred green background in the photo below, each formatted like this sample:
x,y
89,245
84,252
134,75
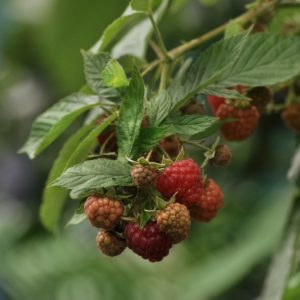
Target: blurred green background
x,y
40,42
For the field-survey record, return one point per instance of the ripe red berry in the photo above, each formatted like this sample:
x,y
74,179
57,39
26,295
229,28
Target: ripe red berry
x,y
175,221
182,178
109,243
148,242
291,117
215,102
144,175
208,204
103,212
247,120
222,156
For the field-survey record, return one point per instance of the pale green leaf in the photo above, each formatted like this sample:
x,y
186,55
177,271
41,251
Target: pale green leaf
x,y
94,64
54,198
135,42
49,125
93,175
113,75
131,115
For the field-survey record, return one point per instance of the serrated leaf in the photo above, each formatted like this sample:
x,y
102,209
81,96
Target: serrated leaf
x,y
94,64
204,72
131,115
150,137
53,122
267,59
92,175
218,90
81,150
114,75
135,42
195,124
54,198
117,27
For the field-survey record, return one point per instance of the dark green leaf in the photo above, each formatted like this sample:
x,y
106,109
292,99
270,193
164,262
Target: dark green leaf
x,y
55,120
195,124
131,115
114,75
94,64
93,175
54,197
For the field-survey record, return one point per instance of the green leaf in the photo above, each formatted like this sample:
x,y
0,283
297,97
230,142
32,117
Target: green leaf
x,y
233,28
117,27
204,72
92,175
195,124
135,42
150,136
54,198
114,75
267,59
83,148
78,216
49,125
131,115
94,64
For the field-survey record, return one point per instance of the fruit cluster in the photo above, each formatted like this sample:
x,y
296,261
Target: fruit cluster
x,y
171,190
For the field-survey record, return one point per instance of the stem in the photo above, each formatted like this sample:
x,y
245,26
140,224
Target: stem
x,y
158,34
164,76
156,49
242,20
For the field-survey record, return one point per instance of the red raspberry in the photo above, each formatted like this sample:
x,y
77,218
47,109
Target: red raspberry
x,y
109,243
215,102
222,156
143,175
208,204
103,212
247,120
148,242
291,117
182,178
175,221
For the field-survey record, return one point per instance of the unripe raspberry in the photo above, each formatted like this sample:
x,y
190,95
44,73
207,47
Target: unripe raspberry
x,y
171,145
261,97
109,243
208,204
103,212
148,242
193,108
144,175
182,179
291,117
247,120
175,221
222,156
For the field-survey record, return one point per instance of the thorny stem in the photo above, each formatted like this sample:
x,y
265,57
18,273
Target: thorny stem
x,y
242,20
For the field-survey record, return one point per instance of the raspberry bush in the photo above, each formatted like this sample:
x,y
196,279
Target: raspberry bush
x,y
131,166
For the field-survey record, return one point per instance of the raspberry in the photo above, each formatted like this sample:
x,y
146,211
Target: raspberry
x,y
103,212
182,178
261,96
247,120
175,221
208,204
291,117
143,175
193,108
148,242
222,156
109,243
215,102
171,145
